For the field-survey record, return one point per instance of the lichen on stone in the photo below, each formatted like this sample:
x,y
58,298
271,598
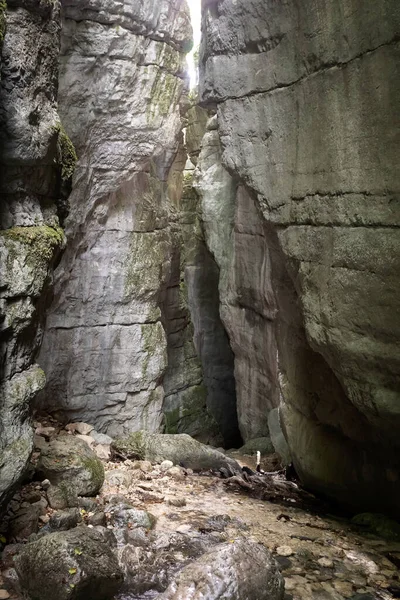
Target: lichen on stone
x,y
162,95
67,157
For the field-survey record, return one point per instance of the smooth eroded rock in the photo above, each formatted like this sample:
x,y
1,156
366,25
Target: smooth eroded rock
x,y
239,570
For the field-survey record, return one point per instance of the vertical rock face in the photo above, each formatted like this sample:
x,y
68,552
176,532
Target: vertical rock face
x,y
121,80
308,122
36,159
236,236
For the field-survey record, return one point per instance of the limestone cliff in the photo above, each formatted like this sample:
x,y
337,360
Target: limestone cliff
x,y
122,76
36,162
302,214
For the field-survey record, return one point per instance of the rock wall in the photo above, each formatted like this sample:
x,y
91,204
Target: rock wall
x,y
307,104
236,237
36,161
122,76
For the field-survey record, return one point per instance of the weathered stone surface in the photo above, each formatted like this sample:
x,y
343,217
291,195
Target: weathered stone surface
x,y
238,242
181,449
240,570
121,80
308,120
31,189
71,465
74,564
199,383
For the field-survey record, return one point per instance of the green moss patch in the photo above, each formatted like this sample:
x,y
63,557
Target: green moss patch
x,y
3,7
67,157
43,240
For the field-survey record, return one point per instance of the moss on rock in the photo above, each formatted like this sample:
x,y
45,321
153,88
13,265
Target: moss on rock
x,y
42,238
67,157
96,469
3,7
132,446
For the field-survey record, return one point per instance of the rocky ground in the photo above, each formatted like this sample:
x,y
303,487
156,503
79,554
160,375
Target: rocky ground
x,y
158,518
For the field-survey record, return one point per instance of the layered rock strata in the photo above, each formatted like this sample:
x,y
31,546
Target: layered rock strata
x,y
36,162
308,122
122,76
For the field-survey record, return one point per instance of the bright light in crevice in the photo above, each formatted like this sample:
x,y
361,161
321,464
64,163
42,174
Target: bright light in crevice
x,y
195,11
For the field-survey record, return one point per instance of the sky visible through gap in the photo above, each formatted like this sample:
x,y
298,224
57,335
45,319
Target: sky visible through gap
x,y
195,11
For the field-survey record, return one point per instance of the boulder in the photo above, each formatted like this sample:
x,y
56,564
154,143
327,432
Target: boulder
x,y
69,463
76,564
82,428
25,522
241,570
65,520
181,449
101,438
261,444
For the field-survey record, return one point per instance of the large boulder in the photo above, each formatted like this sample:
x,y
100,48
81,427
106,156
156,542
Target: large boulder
x,y
181,449
241,570
68,462
74,565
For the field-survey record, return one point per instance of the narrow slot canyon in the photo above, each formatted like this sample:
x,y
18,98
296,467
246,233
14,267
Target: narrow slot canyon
x,y
199,300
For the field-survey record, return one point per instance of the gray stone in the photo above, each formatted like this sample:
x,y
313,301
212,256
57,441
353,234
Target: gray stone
x,y
30,236
277,437
70,465
240,570
123,517
25,522
119,478
80,560
79,427
123,116
263,445
181,449
60,497
67,519
314,251
166,464
101,438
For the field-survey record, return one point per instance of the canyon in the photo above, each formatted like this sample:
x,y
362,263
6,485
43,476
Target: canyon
x,y
224,263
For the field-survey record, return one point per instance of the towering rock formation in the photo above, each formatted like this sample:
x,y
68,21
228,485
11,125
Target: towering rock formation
x,y
36,162
302,215
122,77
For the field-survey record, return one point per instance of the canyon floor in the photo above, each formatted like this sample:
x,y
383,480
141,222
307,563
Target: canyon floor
x,y
321,556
